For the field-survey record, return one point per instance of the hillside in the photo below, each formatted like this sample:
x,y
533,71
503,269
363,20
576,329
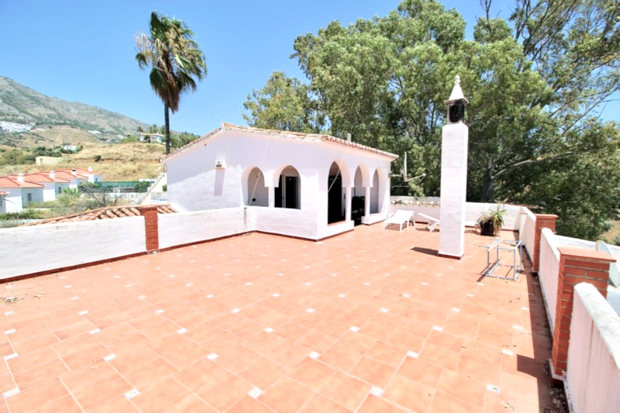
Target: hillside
x,y
29,118
120,162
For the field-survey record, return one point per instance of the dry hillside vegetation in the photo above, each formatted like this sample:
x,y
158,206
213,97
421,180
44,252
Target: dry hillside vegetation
x,y
118,162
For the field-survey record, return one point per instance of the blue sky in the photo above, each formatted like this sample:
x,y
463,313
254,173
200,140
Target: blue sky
x,y
84,50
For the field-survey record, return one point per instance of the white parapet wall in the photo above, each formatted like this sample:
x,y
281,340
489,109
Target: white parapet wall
x,y
284,221
28,250
473,210
593,373
189,227
548,272
527,230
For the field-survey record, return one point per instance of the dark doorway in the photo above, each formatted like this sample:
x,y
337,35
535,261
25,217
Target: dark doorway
x,y
291,192
334,199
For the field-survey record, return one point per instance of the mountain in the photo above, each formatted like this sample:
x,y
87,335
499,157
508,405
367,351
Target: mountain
x,y
29,118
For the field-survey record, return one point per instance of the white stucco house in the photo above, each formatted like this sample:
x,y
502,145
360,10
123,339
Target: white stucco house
x,y
19,193
52,185
77,175
299,184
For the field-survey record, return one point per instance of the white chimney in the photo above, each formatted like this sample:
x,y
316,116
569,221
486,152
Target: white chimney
x,y
52,174
20,177
348,137
74,172
90,169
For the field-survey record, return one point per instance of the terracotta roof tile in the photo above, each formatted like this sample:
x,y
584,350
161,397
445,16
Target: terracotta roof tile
x,y
12,182
43,177
103,213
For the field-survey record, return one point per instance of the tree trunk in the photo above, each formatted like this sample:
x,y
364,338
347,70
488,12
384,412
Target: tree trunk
x,y
167,123
487,186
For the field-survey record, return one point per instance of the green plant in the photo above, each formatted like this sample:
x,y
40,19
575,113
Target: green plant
x,y
164,187
492,220
97,158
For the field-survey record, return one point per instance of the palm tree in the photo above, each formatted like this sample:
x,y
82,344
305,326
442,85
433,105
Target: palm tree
x,y
175,59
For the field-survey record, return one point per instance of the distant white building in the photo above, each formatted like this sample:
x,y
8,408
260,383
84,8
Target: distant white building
x,y
69,148
306,185
152,138
52,185
19,193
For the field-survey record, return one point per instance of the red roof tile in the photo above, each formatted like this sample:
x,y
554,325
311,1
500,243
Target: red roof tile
x,y
12,182
103,213
43,177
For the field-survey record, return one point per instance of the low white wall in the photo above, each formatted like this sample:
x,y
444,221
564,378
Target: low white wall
x,y
548,272
374,218
593,372
473,210
284,221
189,227
27,250
527,230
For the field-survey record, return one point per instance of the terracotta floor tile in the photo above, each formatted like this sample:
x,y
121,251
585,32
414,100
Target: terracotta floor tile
x,y
200,374
311,373
161,396
345,390
41,397
375,404
34,359
65,405
191,404
119,404
439,356
316,340
248,404
106,391
398,297
373,372
227,390
443,402
462,386
409,394
26,379
320,404
286,395
420,371
150,374
387,353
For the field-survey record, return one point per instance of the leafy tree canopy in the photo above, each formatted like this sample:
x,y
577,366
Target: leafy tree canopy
x,y
535,83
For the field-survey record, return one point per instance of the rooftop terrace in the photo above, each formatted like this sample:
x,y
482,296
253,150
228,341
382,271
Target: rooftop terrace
x,y
368,321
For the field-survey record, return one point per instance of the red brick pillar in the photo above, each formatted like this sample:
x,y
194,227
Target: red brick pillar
x,y
149,212
542,221
576,265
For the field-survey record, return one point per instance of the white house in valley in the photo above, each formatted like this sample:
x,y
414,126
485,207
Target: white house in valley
x,y
300,184
52,185
19,193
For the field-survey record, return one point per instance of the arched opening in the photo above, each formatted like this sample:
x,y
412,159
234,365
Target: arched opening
x,y
287,193
374,194
335,203
257,192
359,197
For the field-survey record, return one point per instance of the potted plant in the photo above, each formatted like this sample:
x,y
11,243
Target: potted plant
x,y
491,221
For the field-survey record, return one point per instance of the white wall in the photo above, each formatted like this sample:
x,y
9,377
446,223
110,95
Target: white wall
x,y
593,371
527,230
548,272
189,227
13,200
284,221
49,191
194,184
39,248
36,195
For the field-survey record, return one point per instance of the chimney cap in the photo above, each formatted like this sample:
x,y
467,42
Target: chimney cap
x,y
457,92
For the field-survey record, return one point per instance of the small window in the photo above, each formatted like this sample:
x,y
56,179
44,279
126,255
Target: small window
x,y
29,197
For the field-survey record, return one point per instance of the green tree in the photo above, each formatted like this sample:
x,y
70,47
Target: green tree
x,y
535,83
175,59
283,103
